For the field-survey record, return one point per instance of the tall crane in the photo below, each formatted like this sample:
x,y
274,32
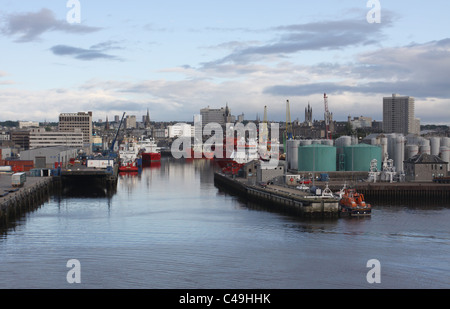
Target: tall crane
x,y
289,131
327,117
265,114
117,134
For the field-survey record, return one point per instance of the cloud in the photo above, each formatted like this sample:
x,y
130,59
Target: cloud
x,y
81,53
29,27
315,36
419,70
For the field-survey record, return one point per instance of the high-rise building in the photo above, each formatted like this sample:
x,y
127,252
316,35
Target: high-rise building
x,y
68,122
398,115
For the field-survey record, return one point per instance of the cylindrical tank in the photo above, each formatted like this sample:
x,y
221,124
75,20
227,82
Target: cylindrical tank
x,y
305,142
317,158
327,142
445,141
384,147
411,151
425,146
359,157
293,153
445,155
399,153
340,143
391,142
435,143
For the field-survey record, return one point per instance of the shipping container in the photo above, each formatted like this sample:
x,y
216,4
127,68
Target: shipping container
x,y
18,179
96,163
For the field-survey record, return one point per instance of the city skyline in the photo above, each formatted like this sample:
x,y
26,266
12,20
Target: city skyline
x,y
175,58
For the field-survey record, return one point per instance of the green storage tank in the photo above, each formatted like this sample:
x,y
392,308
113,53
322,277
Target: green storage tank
x,y
316,158
358,157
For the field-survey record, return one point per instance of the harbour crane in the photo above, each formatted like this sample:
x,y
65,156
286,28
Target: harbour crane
x,y
111,149
327,117
289,131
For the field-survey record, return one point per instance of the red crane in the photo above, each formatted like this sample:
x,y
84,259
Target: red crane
x,y
327,117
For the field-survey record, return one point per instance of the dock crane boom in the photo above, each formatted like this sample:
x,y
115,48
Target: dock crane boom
x,y
289,131
117,134
327,117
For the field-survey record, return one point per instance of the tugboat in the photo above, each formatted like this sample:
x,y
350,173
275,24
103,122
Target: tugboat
x,y
353,204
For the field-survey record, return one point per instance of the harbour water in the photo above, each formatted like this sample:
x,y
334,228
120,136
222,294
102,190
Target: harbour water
x,y
171,228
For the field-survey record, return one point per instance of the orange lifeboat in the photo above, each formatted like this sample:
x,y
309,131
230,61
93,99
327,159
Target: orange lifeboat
x,y
353,204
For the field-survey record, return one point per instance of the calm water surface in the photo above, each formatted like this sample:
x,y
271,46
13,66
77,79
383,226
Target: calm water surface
x,y
170,227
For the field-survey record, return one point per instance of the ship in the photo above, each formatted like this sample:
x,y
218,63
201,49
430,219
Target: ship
x,y
130,160
353,204
149,151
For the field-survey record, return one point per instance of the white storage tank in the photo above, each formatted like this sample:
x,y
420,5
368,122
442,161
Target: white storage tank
x,y
384,147
435,143
445,142
399,153
411,151
293,154
425,146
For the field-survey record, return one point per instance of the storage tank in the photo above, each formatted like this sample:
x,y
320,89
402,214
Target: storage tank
x,y
399,153
445,142
435,143
384,147
317,158
411,151
327,142
292,146
425,146
445,154
340,143
358,157
305,142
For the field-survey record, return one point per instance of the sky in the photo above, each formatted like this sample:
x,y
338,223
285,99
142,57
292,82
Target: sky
x,y
176,57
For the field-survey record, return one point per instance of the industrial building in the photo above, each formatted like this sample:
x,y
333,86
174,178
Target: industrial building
x,y
48,156
425,167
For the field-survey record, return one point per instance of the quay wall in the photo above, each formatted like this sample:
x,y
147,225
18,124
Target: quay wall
x,y
405,192
31,196
279,200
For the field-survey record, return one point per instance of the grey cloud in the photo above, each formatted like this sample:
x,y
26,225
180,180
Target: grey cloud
x,y
325,35
80,53
30,26
419,70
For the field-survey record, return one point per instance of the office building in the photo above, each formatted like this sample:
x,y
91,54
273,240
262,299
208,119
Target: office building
x,y
68,122
40,138
398,115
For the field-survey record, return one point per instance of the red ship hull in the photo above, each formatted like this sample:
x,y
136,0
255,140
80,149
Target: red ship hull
x,y
151,156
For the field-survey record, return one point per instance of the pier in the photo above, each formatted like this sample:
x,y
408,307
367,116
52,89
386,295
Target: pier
x,y
17,201
101,173
279,198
